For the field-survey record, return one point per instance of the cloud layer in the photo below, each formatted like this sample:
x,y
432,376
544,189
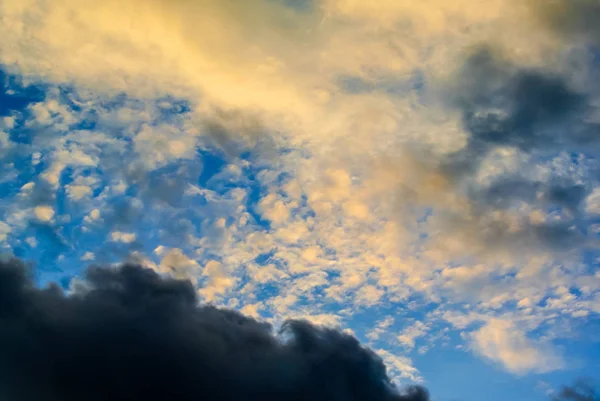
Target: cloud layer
x,y
343,161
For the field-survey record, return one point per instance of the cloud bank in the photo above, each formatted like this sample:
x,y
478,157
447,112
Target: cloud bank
x,y
128,333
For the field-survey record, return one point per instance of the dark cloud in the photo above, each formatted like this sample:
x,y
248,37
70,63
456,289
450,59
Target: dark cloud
x,y
125,212
583,390
534,111
234,132
42,193
165,185
504,105
578,20
538,113
129,334
508,190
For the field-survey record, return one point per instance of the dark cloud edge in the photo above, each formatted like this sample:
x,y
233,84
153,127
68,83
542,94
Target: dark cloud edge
x,y
128,333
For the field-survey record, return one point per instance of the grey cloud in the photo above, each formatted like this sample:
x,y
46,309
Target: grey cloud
x,y
539,114
504,105
510,188
165,186
42,193
534,111
578,20
233,131
133,335
582,390
125,212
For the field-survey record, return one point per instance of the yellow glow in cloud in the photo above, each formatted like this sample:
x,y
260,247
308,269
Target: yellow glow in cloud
x,y
501,341
44,213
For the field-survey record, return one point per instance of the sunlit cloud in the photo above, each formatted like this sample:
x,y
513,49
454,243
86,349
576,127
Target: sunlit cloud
x,y
423,173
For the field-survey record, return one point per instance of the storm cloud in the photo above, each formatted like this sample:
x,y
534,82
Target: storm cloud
x,y
529,113
530,109
126,333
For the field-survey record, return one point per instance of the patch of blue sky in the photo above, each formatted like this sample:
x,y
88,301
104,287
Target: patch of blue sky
x,y
15,178
255,193
268,290
451,373
211,165
402,314
15,95
581,359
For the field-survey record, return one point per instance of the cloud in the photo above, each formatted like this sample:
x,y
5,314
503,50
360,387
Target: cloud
x,y
44,213
592,202
126,238
501,341
4,230
130,333
400,365
575,21
582,390
201,62
367,153
410,334
506,105
177,263
219,281
515,117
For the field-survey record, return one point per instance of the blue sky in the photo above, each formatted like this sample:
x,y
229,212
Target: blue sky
x,y
416,174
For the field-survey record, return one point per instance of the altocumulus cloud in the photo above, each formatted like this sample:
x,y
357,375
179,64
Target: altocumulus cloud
x,y
126,333
341,158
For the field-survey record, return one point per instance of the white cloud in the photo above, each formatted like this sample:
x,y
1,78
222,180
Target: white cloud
x,y
368,295
52,113
381,327
177,263
81,188
32,242
44,213
400,367
410,334
127,238
252,310
219,281
274,209
5,142
266,274
158,146
592,202
504,342
4,230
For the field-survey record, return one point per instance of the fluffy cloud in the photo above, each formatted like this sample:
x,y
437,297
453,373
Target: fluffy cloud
x,y
411,333
119,236
44,213
4,231
503,342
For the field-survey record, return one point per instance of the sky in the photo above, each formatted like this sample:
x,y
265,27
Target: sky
x,y
422,175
